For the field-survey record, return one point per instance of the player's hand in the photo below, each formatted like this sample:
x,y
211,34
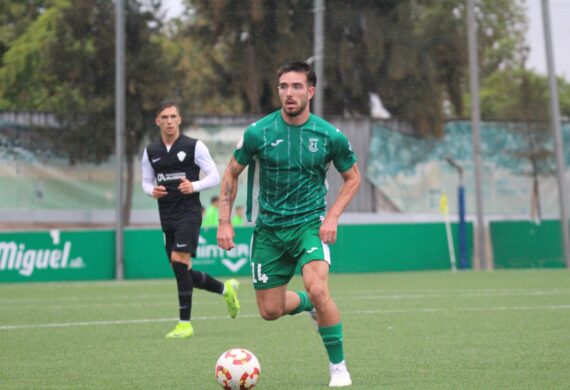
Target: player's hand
x,y
185,186
158,192
328,230
226,236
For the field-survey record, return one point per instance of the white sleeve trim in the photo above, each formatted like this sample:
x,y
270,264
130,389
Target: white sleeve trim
x,y
147,174
203,159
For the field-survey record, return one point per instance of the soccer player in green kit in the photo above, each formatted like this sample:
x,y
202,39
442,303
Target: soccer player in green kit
x,y
293,149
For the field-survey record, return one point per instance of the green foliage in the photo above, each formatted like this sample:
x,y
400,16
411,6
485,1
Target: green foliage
x,y
64,63
23,86
15,17
514,94
222,55
412,54
564,95
240,44
501,25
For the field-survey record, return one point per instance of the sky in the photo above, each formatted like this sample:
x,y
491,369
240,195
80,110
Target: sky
x,y
560,31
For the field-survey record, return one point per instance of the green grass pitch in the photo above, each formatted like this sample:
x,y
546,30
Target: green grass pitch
x,y
413,330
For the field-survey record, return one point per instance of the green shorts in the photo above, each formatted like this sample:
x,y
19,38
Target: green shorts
x,y
276,252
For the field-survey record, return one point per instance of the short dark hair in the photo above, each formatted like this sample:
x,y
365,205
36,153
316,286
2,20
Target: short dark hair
x,y
166,104
301,67
214,199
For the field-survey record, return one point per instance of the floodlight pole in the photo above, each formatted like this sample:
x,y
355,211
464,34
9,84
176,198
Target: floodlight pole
x,y
318,55
475,122
119,133
555,123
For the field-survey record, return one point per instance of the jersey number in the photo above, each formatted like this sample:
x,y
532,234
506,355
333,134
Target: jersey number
x,y
259,276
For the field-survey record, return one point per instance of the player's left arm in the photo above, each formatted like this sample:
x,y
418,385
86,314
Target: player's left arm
x,y
204,160
349,188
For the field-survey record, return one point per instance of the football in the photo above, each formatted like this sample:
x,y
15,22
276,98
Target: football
x,y
237,369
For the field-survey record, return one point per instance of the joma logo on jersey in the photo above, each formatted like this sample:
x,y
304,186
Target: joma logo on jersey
x,y
313,147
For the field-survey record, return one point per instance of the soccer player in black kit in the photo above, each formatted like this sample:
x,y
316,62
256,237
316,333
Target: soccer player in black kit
x,y
171,174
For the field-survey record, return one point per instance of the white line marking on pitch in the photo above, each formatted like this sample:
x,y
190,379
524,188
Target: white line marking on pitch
x,y
112,322
9,303
209,318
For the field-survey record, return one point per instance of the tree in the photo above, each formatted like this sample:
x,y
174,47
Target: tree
x,y
412,54
15,17
248,40
64,63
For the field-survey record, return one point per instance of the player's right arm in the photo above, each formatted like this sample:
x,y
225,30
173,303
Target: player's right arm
x,y
148,182
228,194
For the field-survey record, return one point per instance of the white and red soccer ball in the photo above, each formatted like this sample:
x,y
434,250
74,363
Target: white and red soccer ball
x,y
237,369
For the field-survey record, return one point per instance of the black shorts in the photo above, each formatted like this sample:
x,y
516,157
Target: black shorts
x,y
182,238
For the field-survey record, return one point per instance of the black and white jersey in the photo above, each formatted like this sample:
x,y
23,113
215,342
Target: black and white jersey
x,y
166,166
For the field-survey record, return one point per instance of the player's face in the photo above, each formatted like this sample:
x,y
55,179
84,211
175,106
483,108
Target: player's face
x,y
295,93
169,121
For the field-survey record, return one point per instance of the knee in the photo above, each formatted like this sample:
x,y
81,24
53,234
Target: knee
x,y
179,257
270,313
318,294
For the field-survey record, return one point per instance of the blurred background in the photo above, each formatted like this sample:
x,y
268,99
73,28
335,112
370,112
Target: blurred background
x,y
395,80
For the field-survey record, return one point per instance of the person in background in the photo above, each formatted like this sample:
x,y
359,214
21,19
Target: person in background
x,y
212,213
170,173
238,219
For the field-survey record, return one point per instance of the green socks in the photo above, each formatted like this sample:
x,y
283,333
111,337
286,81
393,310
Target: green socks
x,y
331,335
333,341
304,305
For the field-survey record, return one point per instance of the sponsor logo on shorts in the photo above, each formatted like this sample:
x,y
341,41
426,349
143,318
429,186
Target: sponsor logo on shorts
x,y
312,249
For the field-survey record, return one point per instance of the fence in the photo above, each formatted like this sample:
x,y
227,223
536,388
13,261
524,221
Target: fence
x,y
71,255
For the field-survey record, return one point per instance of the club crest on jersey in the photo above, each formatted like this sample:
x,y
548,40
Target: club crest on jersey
x,y
313,147
181,155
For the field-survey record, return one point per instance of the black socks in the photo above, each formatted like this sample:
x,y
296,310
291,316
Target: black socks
x,y
204,281
185,287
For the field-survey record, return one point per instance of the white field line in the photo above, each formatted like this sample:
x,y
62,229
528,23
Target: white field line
x,y
459,290
207,299
124,297
368,295
217,318
451,295
171,300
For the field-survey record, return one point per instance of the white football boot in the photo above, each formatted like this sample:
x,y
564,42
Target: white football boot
x,y
339,375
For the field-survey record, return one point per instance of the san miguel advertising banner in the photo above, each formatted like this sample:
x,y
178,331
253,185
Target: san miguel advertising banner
x,y
90,254
56,255
145,256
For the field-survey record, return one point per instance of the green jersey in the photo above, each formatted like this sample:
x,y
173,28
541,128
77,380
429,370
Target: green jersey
x,y
293,162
